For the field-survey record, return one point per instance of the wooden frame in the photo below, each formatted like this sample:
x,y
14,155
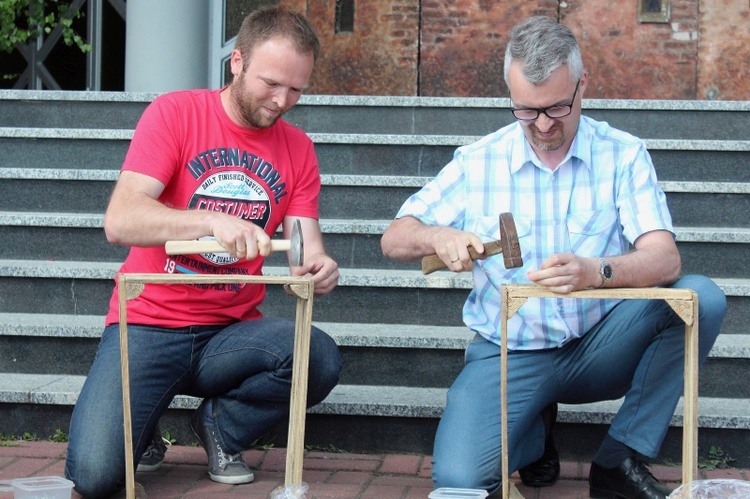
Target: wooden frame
x,y
131,285
685,304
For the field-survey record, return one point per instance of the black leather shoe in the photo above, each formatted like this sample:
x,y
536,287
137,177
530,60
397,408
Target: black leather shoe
x,y
545,471
630,480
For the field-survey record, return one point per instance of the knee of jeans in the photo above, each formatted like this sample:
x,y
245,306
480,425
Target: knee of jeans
x,y
323,378
456,474
325,367
96,480
711,299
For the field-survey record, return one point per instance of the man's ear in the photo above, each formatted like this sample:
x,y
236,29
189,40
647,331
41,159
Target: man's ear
x,y
584,83
235,62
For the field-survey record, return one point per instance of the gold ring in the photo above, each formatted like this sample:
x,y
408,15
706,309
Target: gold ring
x,y
457,259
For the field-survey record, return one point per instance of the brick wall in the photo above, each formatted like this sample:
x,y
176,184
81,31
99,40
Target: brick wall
x,y
379,58
456,47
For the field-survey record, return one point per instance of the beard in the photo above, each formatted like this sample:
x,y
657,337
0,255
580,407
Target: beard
x,y
249,109
552,144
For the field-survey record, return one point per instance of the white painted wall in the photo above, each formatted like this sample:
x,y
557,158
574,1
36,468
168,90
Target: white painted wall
x,y
166,45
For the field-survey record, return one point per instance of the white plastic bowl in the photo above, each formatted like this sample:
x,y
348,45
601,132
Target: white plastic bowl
x,y
453,493
42,487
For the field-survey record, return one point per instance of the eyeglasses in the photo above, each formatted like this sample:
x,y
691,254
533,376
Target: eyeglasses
x,y
552,112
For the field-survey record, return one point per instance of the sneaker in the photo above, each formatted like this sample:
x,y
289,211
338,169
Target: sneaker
x,y
154,454
222,467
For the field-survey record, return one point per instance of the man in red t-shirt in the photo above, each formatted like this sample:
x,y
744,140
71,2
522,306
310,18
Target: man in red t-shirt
x,y
222,165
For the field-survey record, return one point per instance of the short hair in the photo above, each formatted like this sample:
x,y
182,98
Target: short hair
x,y
269,22
542,45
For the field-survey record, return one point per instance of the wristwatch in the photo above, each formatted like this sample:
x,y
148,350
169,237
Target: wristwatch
x,y
605,271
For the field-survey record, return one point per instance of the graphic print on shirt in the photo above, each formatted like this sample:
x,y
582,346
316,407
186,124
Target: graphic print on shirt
x,y
234,191
236,194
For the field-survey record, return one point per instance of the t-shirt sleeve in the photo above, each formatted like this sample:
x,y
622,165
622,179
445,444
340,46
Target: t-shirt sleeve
x,y
305,198
155,147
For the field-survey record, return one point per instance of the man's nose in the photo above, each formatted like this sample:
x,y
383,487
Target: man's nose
x,y
280,97
543,122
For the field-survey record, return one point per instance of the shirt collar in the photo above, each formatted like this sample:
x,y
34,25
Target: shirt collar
x,y
523,153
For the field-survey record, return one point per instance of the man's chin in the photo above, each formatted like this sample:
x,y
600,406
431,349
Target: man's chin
x,y
261,122
547,145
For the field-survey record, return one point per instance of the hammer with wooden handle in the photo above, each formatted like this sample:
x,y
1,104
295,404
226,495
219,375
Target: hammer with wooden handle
x,y
295,246
507,245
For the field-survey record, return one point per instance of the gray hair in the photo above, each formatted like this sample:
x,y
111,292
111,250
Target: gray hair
x,y
543,45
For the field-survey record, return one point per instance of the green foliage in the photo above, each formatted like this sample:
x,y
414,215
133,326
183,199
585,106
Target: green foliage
x,y
717,459
21,21
59,436
170,440
256,445
8,441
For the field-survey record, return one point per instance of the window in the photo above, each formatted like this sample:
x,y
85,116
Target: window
x,y
653,11
344,16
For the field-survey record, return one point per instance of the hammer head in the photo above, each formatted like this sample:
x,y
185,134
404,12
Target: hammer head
x,y
509,242
297,245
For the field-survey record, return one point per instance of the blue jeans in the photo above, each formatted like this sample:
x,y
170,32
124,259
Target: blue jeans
x,y
244,368
636,351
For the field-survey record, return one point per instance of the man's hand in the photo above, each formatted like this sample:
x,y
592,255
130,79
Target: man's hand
x,y
452,246
566,272
654,262
242,239
323,269
408,239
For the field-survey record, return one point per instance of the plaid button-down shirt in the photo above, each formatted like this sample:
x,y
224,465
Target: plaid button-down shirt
x,y
599,200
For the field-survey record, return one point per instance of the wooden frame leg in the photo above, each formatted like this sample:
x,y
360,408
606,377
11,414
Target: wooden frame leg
x,y
683,301
298,401
131,285
125,379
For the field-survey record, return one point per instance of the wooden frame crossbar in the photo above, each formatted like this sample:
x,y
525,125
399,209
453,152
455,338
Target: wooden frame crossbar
x,y
131,286
685,304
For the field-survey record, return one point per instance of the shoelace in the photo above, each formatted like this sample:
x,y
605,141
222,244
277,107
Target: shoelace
x,y
233,458
153,447
227,459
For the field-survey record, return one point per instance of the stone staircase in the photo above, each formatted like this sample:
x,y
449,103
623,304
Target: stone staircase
x,y
400,332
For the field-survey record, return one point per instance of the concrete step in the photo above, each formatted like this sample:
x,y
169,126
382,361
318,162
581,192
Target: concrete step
x,y
382,354
711,251
721,120
357,154
693,204
376,418
367,295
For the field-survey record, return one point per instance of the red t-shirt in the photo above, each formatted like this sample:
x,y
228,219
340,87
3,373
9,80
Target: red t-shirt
x,y
207,162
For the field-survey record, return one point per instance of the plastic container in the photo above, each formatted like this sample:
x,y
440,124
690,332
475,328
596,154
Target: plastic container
x,y
452,493
41,487
713,489
293,491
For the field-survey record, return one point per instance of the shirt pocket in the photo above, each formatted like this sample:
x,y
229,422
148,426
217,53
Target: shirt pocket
x,y
590,231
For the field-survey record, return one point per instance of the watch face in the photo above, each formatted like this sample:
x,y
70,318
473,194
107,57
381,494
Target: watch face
x,y
607,271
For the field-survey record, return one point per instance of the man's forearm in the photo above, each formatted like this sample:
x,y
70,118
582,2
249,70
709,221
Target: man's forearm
x,y
150,223
407,239
655,262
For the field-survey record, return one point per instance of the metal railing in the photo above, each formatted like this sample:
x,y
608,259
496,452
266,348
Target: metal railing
x,y
36,76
